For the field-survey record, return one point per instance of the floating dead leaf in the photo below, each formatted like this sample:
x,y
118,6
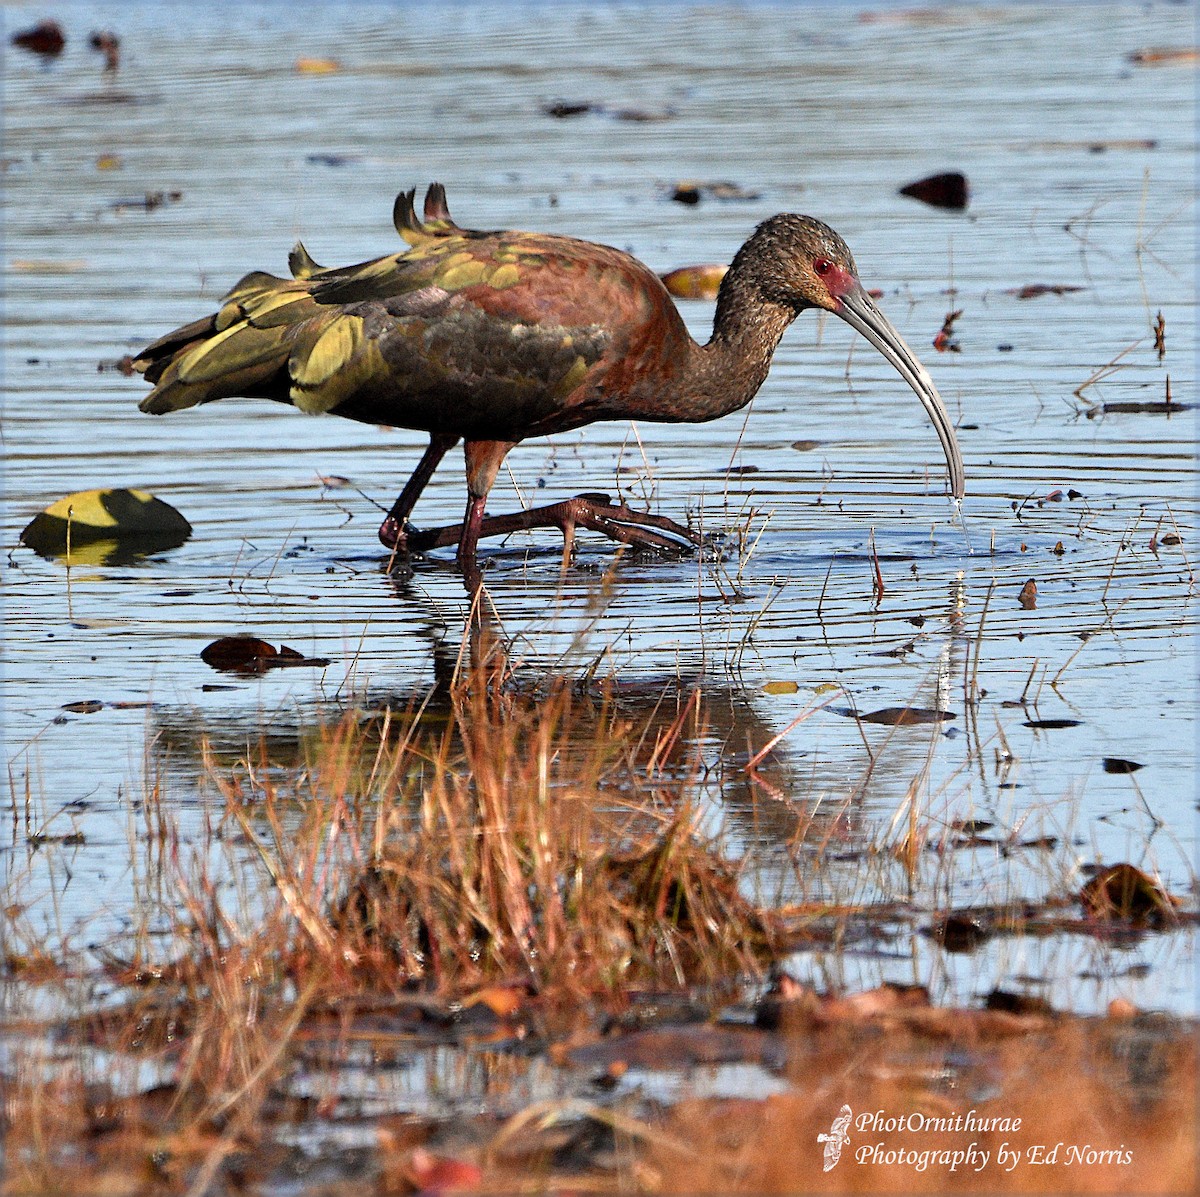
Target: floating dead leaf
x,y
1028,596
1115,764
45,38
48,265
690,192
109,162
86,706
781,688
961,932
1170,538
900,716
1125,894
249,654
502,1000
429,1173
317,66
1164,55
122,365
695,282
565,108
1033,290
806,446
147,202
105,527
946,190
1052,724
1017,1003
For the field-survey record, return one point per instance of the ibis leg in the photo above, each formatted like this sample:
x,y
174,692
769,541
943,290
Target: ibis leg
x,y
394,532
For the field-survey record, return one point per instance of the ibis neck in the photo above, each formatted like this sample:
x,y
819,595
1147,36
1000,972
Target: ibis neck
x,y
725,374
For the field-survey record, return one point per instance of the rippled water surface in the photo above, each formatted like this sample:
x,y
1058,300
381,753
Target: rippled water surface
x,y
1081,167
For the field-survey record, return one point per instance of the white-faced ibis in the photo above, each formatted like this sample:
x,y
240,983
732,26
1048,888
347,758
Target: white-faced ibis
x,y
493,337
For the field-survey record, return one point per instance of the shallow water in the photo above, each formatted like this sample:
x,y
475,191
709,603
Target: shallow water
x,y
1080,164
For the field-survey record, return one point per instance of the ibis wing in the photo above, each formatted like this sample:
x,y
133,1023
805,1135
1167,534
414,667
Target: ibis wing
x,y
475,334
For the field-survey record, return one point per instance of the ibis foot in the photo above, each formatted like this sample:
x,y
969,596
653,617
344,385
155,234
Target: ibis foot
x,y
596,512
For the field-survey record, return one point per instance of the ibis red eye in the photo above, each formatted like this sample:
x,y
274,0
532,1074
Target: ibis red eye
x,y
822,266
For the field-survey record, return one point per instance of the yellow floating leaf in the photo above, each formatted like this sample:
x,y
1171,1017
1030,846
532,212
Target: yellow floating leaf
x,y
780,688
48,265
100,527
695,282
317,66
109,162
826,688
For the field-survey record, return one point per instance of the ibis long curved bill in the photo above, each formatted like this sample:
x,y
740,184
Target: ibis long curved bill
x,y
859,311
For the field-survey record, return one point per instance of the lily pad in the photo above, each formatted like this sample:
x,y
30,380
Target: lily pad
x,y
105,527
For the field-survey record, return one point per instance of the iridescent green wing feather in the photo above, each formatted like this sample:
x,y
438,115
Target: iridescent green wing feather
x,y
415,329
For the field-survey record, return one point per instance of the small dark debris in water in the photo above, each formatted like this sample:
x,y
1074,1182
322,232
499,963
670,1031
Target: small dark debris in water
x,y
1115,764
1047,842
249,654
691,193
1052,724
917,621
896,716
743,469
1160,336
1017,1003
1055,496
971,826
806,446
1033,290
961,932
1028,596
1004,348
209,686
946,190
123,365
565,108
641,115
1058,549
86,706
110,46
71,839
45,38
1154,407
148,202
944,341
1170,538
1073,494
332,159
1126,894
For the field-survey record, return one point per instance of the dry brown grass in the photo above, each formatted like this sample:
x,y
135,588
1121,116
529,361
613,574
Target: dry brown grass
x,y
533,856
1125,1088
